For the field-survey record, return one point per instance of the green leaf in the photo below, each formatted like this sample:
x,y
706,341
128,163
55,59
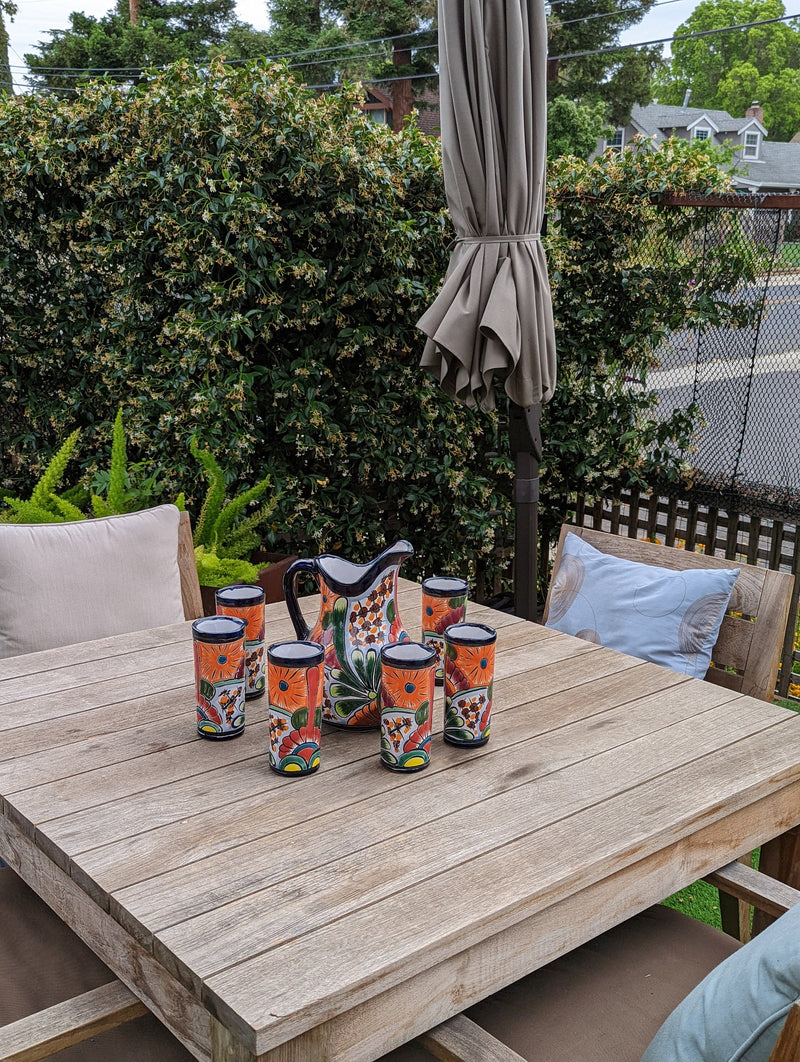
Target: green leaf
x,y
299,718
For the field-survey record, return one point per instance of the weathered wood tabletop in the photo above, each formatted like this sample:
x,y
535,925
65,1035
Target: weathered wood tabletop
x,y
339,915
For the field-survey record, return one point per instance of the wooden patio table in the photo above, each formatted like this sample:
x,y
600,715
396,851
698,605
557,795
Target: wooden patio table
x,y
339,915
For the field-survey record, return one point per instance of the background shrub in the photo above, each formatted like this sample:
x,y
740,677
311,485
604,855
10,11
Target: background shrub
x,y
229,257
233,259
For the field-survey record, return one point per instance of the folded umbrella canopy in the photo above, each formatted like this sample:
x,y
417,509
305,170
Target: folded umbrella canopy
x,y
493,315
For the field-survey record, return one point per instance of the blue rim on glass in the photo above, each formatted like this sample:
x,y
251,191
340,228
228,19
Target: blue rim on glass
x,y
218,629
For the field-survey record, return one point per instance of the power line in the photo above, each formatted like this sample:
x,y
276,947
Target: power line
x,y
569,55
319,51
612,14
671,40
76,73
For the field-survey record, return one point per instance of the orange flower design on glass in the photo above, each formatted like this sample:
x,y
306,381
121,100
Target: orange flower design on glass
x,y
434,609
253,615
476,662
220,661
406,689
287,687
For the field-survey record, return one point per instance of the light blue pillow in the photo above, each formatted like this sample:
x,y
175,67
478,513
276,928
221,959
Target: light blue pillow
x,y
736,1013
670,618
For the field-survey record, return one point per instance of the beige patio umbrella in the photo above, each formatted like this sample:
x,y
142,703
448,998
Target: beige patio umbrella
x,y
493,315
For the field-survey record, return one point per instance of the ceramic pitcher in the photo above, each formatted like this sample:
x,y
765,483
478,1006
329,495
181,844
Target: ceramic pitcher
x,y
358,616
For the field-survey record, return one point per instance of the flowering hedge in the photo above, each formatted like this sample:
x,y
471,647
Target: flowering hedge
x,y
229,257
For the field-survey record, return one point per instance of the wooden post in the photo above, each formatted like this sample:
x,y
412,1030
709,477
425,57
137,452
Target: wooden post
x,y
525,443
401,90
780,858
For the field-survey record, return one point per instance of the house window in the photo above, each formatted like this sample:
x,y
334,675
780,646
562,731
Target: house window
x,y
617,141
702,134
378,116
751,145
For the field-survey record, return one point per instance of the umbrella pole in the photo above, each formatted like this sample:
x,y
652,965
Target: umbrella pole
x,y
526,447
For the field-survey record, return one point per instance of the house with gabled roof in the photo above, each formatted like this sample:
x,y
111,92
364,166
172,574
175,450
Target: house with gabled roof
x,y
761,164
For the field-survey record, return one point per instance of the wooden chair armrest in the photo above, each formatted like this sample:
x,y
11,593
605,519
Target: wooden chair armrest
x,y
766,893
461,1040
787,1047
48,1031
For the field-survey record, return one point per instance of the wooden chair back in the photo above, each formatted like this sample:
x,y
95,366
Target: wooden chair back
x,y
190,584
747,654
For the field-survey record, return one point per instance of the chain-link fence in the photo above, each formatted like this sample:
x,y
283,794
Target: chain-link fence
x,y
745,499
742,373
745,379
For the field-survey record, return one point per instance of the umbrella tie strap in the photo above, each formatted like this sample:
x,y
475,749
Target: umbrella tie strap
x,y
523,237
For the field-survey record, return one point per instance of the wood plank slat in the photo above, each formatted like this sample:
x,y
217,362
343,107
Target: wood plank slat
x,y
225,933
541,937
463,1040
740,880
30,664
787,1046
70,679
127,857
518,644
691,527
693,776
307,992
190,585
71,1022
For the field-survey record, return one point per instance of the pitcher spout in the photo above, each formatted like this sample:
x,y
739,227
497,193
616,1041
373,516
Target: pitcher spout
x,y
350,579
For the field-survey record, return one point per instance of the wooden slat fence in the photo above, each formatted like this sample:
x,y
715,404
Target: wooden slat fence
x,y
676,522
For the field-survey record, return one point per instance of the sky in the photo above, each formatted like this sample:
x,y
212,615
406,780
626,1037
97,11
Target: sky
x,y
35,17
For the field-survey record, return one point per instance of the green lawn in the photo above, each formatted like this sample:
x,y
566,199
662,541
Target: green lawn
x,y
701,900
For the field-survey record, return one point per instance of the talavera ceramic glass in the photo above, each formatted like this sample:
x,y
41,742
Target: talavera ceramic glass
x,y
468,682
408,673
247,603
444,602
295,676
219,672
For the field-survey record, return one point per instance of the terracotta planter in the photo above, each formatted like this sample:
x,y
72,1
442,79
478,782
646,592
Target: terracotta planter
x,y
270,577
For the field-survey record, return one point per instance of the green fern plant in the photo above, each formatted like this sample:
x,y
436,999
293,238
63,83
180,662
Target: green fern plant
x,y
126,487
224,528
45,506
213,570
225,534
116,500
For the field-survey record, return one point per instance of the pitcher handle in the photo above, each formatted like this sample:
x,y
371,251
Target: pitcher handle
x,y
302,629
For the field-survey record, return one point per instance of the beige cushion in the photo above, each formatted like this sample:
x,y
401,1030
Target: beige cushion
x,y
86,579
42,963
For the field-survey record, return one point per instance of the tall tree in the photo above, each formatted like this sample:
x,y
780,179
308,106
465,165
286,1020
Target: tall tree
x,y
730,70
6,80
129,37
400,36
617,78
574,128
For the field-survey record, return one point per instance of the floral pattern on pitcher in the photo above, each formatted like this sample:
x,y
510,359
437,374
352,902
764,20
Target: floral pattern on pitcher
x,y
356,631
358,616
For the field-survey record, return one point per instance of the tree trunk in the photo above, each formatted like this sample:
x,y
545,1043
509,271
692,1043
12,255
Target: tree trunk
x,y
401,90
133,7
6,81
